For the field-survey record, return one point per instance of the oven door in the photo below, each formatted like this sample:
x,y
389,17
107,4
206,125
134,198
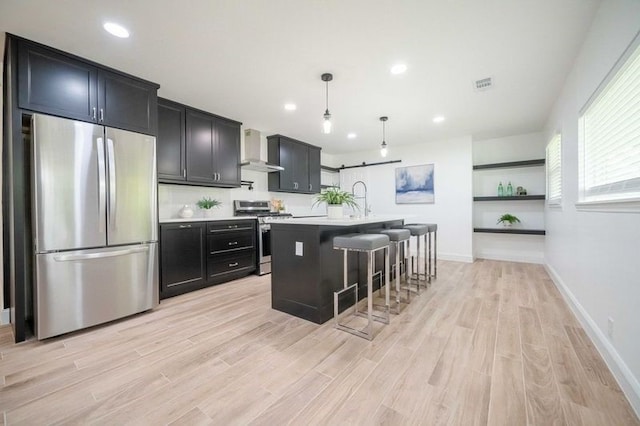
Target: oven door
x,y
264,249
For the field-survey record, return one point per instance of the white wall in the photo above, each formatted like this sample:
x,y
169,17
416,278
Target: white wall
x,y
593,256
512,247
452,179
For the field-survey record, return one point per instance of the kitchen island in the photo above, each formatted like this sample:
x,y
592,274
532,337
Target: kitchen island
x,y
306,270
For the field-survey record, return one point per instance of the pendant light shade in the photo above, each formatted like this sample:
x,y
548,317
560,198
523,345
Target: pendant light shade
x,y
326,125
383,147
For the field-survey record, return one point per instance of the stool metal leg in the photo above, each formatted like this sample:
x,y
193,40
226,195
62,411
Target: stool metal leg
x,y
369,332
435,254
427,258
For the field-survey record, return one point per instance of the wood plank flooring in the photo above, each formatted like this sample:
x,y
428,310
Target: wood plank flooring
x,y
488,343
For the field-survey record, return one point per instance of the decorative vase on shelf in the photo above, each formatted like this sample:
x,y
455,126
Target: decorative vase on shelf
x,y
186,212
509,190
334,211
500,190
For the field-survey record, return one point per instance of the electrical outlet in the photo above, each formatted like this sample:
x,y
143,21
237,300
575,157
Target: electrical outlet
x,y
610,327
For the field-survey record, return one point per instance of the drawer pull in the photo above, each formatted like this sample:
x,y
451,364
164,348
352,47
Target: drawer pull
x,y
233,243
231,265
232,226
185,226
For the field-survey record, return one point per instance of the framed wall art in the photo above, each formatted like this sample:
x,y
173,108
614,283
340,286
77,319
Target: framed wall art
x,y
414,184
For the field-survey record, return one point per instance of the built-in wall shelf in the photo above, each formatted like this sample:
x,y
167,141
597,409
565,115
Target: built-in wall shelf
x,y
511,164
511,198
510,231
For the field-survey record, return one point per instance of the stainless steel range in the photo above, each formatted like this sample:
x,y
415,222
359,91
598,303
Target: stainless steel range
x,y
262,210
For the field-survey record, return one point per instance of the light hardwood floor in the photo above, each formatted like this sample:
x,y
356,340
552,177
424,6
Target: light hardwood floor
x,y
488,343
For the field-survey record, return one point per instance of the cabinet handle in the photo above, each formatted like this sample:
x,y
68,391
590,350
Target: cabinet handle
x,y
233,243
310,187
232,226
101,114
184,173
185,226
218,176
94,113
231,265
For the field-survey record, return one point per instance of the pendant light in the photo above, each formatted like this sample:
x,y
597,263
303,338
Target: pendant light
x,y
326,126
383,147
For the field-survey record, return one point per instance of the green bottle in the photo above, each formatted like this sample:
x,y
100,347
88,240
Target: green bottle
x,y
509,190
500,190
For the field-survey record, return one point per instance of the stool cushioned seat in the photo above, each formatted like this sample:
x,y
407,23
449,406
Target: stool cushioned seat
x,y
397,234
432,227
368,242
417,229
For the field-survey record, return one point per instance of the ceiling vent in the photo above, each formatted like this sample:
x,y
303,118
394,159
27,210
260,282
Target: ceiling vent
x,y
483,84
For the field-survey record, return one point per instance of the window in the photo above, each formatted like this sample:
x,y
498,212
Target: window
x,y
554,170
609,135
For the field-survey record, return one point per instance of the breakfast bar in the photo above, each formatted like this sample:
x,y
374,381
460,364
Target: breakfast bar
x,y
306,270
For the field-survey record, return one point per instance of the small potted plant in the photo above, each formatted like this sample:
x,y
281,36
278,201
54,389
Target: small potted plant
x,y
508,220
207,204
336,199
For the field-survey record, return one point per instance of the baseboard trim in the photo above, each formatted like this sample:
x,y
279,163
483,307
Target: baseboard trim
x,y
510,258
5,316
451,257
622,373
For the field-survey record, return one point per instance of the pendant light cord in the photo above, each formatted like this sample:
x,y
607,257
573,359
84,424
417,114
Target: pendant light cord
x,y
327,92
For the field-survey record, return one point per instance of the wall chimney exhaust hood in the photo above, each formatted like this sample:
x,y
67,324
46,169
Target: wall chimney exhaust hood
x,y
256,154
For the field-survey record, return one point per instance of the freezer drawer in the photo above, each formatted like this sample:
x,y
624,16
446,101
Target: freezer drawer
x,y
78,289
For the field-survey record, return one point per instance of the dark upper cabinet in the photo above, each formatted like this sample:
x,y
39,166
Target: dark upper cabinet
x,y
227,154
182,258
314,169
126,103
53,82
301,163
170,143
213,149
200,147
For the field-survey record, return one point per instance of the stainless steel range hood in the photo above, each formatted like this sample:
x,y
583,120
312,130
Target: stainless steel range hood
x,y
255,153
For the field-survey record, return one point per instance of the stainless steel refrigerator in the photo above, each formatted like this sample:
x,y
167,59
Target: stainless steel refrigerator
x,y
95,224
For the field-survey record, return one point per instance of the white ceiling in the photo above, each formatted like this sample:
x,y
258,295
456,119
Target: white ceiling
x,y
244,59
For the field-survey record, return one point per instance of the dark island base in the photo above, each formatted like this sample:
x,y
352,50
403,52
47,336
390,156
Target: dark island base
x,y
303,286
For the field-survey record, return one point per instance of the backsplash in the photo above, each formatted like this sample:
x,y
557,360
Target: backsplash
x,y
171,198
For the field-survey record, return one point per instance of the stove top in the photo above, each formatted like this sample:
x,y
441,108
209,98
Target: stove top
x,y
261,209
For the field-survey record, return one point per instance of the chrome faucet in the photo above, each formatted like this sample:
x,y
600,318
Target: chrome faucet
x,y
366,206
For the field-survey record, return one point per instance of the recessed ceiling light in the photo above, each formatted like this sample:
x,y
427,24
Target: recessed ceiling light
x,y
352,135
290,107
116,30
438,119
398,69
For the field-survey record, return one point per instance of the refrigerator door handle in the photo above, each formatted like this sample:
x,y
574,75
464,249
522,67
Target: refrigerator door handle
x,y
112,183
72,257
102,183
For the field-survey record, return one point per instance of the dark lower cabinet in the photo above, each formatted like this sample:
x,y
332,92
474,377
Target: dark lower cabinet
x,y
182,258
57,83
231,249
195,255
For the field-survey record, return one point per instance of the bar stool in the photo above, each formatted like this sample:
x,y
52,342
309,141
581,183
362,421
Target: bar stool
x,y
397,236
369,244
432,228
419,231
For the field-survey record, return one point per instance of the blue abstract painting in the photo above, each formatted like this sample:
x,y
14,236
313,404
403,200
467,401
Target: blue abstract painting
x,y
414,184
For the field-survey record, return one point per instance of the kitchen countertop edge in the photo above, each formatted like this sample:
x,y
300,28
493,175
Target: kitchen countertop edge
x,y
206,219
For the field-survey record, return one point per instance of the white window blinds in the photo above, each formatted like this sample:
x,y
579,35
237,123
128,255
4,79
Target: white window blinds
x,y
554,170
610,137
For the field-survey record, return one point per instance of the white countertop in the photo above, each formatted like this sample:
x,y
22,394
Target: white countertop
x,y
346,221
206,219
